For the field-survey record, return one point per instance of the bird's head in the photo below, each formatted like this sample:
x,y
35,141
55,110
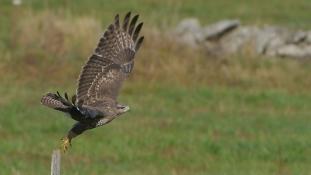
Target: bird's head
x,y
122,108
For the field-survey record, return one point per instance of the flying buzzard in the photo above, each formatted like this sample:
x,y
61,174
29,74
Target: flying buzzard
x,y
95,103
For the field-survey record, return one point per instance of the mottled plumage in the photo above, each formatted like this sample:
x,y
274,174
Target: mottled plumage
x,y
101,78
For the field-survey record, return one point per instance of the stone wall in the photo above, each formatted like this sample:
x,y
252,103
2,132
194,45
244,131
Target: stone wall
x,y
230,37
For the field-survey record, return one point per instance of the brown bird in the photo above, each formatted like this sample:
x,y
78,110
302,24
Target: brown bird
x,y
95,103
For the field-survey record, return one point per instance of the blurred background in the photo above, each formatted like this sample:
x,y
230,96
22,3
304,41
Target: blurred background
x,y
193,111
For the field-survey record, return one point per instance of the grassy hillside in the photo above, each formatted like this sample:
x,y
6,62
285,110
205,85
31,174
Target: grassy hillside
x,y
190,113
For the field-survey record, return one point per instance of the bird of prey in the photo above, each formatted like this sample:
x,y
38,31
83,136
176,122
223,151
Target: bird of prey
x,y
95,103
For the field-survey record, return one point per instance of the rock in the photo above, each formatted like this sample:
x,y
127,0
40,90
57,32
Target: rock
x,y
266,38
294,51
191,25
233,42
298,37
274,37
17,2
188,39
273,45
189,32
215,31
308,37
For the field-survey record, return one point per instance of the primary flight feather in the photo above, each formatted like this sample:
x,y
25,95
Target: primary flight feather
x,y
101,78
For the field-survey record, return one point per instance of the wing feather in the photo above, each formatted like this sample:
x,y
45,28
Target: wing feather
x,y
138,43
137,30
117,21
126,21
132,25
111,62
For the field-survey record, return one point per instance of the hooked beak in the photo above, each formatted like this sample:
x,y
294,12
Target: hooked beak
x,y
123,108
126,108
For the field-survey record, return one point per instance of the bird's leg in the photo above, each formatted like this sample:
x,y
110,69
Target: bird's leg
x,y
66,141
76,130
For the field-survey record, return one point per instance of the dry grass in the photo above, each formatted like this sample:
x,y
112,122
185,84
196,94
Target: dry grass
x,y
56,34
57,48
47,43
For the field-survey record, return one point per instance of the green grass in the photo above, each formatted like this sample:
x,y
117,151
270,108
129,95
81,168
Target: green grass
x,y
166,13
283,12
190,113
169,130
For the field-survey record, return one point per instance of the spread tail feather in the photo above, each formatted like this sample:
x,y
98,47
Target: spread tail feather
x,y
56,101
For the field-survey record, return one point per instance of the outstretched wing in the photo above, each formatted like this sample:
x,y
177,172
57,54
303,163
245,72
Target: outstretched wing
x,y
112,61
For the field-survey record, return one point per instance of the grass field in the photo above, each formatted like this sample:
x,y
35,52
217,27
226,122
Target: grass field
x,y
170,130
190,113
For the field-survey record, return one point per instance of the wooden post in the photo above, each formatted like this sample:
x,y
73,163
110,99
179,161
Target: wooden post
x,y
55,162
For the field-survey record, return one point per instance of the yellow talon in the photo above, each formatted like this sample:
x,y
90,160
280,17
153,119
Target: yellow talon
x,y
66,143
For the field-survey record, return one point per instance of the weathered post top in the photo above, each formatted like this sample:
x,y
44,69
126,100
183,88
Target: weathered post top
x,y
55,162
